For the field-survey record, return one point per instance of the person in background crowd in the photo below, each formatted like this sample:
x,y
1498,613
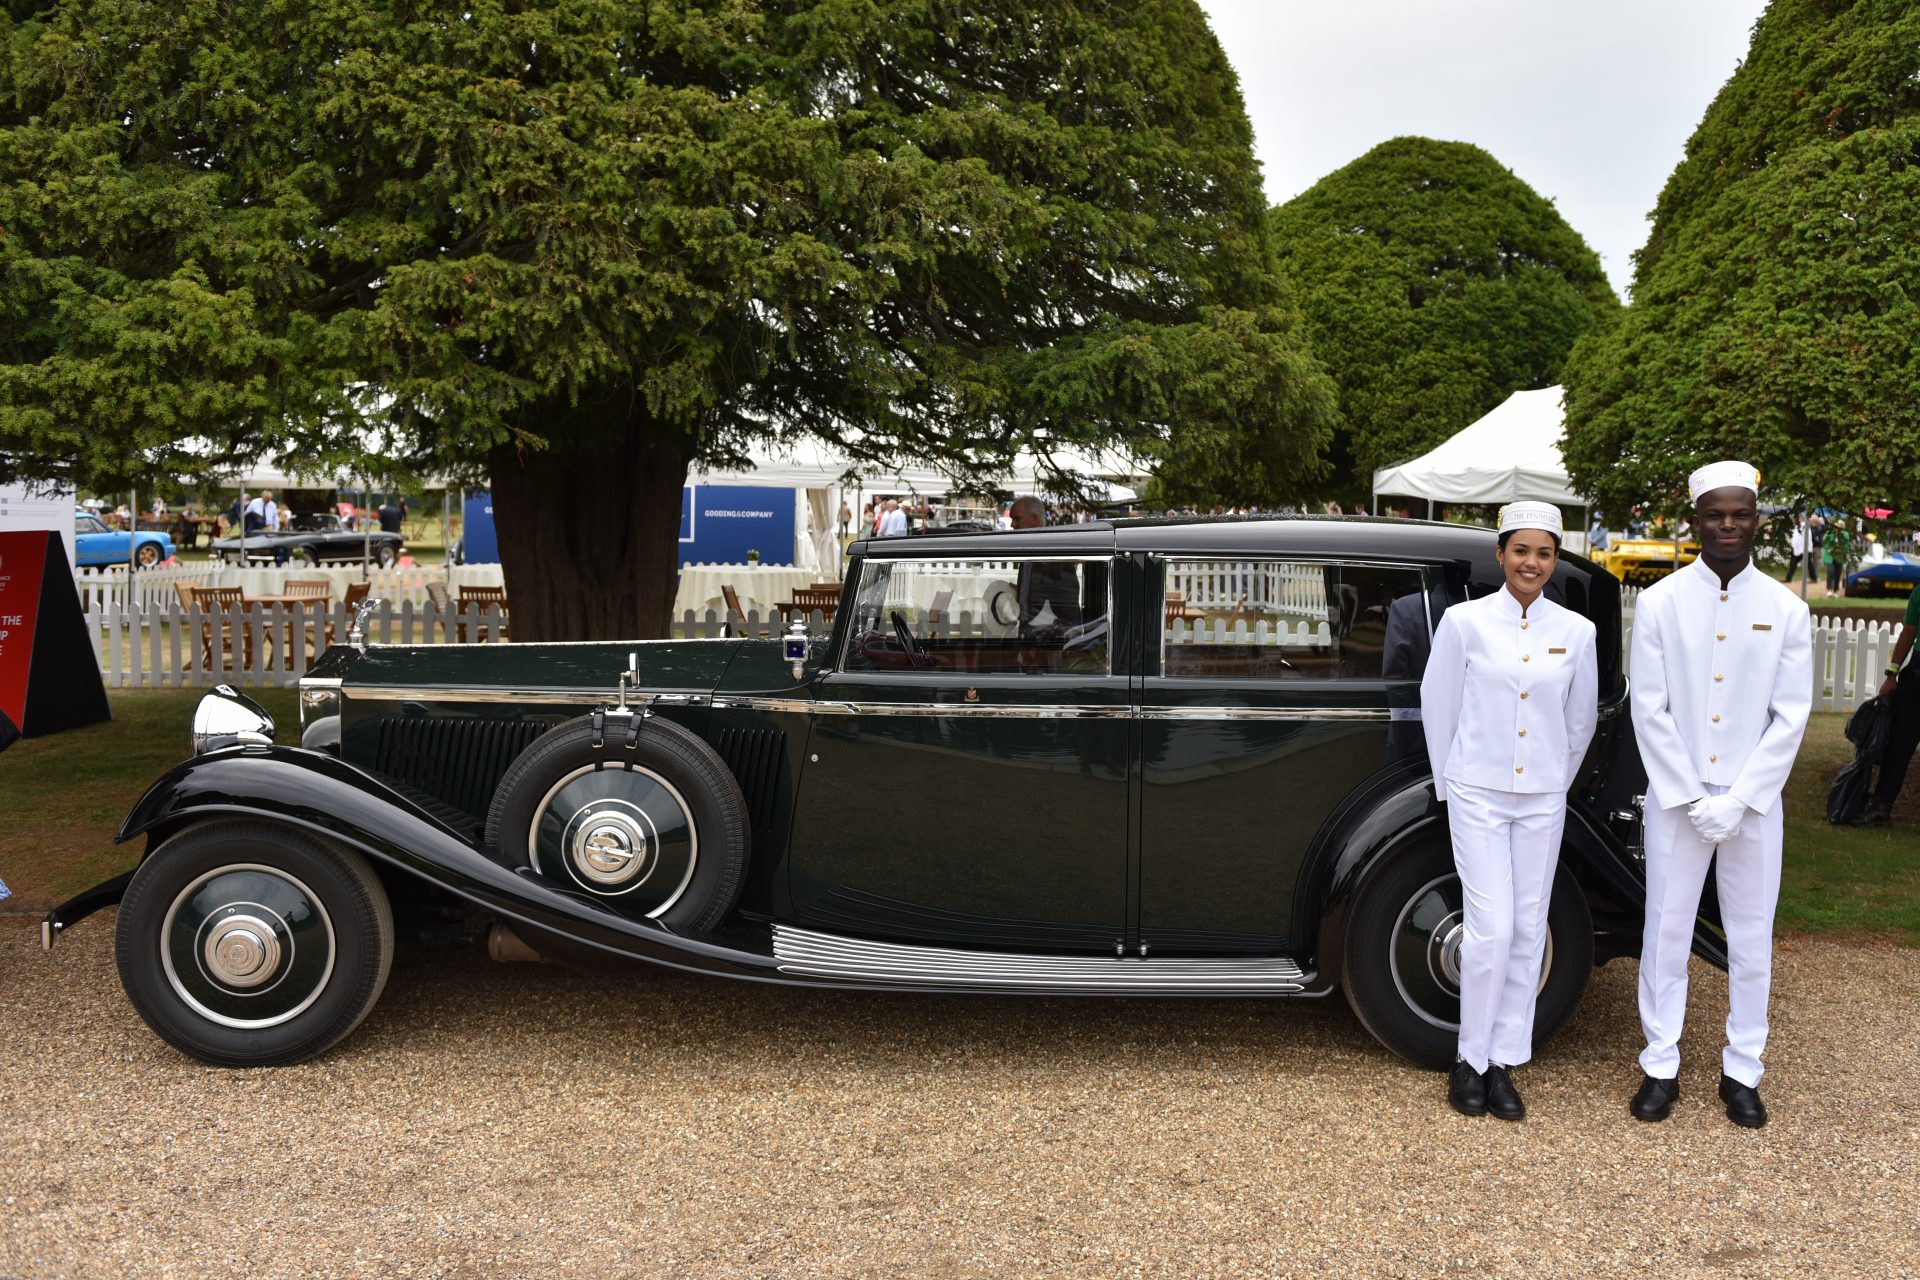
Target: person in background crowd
x,y
846,517
262,516
1722,687
893,524
1597,535
1511,661
1835,549
390,517
1796,546
868,520
1902,685
1333,508
1027,512
159,508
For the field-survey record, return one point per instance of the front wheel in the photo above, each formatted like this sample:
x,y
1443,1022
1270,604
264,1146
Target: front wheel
x,y
247,944
1402,962
148,554
386,554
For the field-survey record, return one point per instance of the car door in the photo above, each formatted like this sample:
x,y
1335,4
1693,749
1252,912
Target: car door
x,y
967,769
1278,691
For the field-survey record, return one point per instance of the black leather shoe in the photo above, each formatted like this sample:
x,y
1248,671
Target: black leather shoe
x,y
1655,1099
1503,1099
1744,1107
1466,1091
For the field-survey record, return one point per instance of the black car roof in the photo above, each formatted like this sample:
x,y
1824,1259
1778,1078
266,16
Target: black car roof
x,y
1385,537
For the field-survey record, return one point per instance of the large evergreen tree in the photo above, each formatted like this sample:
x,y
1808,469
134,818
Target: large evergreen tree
x,y
1435,283
1776,305
593,241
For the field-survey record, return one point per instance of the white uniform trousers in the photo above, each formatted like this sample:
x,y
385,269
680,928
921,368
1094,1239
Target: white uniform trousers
x,y
1748,879
1505,846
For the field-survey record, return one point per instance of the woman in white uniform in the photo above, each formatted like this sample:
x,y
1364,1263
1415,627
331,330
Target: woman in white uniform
x,y
1508,705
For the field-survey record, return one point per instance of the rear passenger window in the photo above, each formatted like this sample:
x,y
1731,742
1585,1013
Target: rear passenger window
x,y
1294,620
981,617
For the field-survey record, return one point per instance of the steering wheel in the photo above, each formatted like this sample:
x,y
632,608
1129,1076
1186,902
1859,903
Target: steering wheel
x,y
904,634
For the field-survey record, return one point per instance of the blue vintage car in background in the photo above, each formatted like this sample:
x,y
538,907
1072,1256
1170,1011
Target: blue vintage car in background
x,y
96,544
1896,575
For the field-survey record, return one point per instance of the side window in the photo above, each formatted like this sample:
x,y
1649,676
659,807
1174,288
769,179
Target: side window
x,y
1294,620
982,617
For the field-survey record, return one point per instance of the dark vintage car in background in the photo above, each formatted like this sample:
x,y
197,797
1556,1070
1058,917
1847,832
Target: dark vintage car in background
x,y
1146,758
320,538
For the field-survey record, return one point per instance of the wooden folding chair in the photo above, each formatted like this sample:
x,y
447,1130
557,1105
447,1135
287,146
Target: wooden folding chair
x,y
733,601
484,597
226,600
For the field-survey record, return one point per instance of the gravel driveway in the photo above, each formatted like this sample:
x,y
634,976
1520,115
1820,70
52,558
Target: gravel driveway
x,y
504,1120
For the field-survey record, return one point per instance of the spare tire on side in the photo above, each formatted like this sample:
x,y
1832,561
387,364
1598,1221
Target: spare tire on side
x,y
658,829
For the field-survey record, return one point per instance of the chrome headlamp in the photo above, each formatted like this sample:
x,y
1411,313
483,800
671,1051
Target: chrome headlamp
x,y
228,718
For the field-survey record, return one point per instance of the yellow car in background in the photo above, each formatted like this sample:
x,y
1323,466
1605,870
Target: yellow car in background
x,y
1641,562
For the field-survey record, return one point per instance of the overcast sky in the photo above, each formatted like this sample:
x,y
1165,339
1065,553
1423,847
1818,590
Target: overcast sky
x,y
1590,104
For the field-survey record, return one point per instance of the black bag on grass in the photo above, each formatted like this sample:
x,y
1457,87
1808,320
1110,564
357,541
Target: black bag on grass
x,y
1867,730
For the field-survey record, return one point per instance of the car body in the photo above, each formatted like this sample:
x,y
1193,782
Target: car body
x,y
319,538
1147,757
1895,575
1641,562
94,544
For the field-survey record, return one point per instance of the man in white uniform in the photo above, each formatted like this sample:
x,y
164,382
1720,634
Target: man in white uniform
x,y
1722,684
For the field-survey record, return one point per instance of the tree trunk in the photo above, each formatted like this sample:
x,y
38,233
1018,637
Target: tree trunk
x,y
589,533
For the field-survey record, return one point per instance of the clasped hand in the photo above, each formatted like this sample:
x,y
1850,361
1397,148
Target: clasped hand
x,y
1716,818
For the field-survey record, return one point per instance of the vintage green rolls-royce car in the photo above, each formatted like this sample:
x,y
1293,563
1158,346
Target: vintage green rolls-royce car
x,y
1149,757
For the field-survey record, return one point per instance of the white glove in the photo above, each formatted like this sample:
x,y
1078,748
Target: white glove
x,y
1716,818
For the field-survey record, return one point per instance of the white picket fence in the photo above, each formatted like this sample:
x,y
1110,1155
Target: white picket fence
x,y
164,645
158,586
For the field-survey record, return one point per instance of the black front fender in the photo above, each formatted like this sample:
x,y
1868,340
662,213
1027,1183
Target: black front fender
x,y
326,795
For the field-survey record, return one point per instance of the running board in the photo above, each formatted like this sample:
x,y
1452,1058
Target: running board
x,y
805,953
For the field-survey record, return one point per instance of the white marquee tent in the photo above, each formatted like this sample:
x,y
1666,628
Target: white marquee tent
x,y
1512,453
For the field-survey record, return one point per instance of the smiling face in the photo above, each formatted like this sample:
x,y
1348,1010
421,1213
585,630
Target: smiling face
x,y
1726,520
1528,558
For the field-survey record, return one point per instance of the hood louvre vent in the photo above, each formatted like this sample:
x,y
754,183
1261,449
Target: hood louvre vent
x,y
457,761
754,756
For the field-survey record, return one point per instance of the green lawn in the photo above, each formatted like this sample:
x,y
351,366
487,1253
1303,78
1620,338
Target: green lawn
x,y
64,797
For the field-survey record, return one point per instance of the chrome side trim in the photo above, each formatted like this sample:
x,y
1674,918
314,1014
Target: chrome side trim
x,y
994,710
825,955
1267,713
525,693
808,706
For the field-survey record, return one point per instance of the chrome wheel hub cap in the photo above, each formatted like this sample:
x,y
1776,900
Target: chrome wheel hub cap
x,y
242,951
1443,959
609,845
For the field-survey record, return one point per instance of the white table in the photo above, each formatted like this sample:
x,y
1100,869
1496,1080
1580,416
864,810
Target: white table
x,y
761,589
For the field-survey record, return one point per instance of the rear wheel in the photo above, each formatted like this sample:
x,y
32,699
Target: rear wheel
x,y
386,554
249,944
1402,962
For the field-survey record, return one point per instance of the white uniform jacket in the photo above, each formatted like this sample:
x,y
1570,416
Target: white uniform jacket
x,y
1722,684
1509,702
